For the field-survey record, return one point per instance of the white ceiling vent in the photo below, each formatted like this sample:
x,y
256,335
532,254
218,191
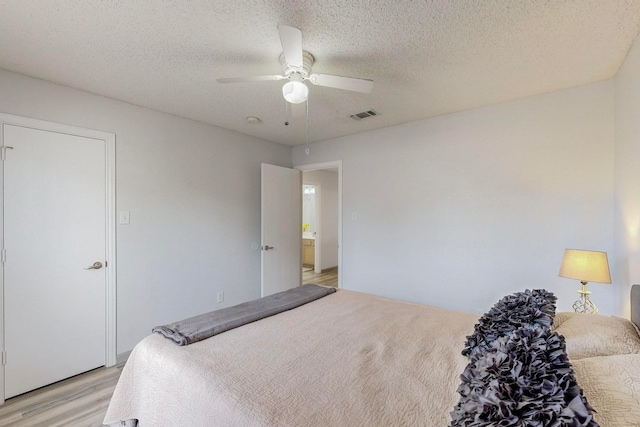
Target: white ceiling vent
x,y
364,114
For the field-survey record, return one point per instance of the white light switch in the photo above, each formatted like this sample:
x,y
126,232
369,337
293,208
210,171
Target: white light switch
x,y
123,217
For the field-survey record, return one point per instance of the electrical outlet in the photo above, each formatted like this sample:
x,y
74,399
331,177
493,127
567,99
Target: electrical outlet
x,y
221,296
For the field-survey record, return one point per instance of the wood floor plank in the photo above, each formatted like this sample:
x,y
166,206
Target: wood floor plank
x,y
75,395
328,277
80,401
59,390
71,413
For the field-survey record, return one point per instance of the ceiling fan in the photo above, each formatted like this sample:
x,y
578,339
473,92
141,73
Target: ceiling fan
x,y
296,65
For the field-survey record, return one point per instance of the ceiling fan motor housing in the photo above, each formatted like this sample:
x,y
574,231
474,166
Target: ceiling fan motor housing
x,y
307,62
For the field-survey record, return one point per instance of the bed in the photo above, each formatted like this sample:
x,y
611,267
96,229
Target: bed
x,y
351,358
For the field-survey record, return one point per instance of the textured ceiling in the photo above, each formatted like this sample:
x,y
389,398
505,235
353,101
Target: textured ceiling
x,y
426,58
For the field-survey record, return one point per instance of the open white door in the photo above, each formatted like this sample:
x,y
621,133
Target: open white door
x,y
281,220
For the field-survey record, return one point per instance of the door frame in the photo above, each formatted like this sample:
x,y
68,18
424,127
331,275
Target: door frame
x,y
331,165
110,227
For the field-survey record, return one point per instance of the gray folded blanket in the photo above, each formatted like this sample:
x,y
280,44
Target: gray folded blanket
x,y
206,325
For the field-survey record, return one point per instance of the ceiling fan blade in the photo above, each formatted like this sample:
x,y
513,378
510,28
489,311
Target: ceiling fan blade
x,y
339,82
291,40
250,79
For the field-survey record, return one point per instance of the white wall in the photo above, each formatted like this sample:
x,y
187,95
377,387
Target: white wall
x,y
309,213
193,191
328,200
458,210
627,175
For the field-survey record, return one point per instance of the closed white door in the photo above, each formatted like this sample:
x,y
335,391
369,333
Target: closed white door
x,y
281,217
54,229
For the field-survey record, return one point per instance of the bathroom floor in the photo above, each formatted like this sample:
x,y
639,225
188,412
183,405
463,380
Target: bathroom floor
x,y
328,277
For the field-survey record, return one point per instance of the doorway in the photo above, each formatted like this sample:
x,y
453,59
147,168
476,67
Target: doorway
x,y
310,226
322,223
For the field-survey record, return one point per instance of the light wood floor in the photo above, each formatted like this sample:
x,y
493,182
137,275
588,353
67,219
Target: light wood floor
x,y
80,401
328,277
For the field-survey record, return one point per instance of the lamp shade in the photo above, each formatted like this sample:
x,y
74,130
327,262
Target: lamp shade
x,y
295,91
586,266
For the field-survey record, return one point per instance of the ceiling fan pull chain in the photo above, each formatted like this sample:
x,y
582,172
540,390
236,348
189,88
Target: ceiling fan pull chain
x,y
287,113
306,150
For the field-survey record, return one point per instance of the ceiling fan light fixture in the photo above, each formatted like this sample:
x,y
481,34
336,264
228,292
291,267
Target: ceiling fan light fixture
x,y
294,91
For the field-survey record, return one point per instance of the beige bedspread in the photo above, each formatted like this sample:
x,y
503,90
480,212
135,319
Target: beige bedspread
x,y
612,385
346,359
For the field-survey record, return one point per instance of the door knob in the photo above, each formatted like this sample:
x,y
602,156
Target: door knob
x,y
96,266
267,247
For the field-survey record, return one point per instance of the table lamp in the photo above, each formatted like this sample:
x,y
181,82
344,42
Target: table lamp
x,y
585,266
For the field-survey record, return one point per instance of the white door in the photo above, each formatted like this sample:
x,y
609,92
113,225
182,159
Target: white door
x,y
281,221
54,228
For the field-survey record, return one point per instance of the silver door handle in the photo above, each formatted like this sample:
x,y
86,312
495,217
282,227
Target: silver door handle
x,y
96,266
267,247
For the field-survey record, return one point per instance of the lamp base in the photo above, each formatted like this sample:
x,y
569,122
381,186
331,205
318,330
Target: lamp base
x,y
584,304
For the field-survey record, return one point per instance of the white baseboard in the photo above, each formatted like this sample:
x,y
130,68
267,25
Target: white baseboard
x,y
122,357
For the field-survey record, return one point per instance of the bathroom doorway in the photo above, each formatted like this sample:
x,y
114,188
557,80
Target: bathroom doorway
x,y
321,225
310,225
